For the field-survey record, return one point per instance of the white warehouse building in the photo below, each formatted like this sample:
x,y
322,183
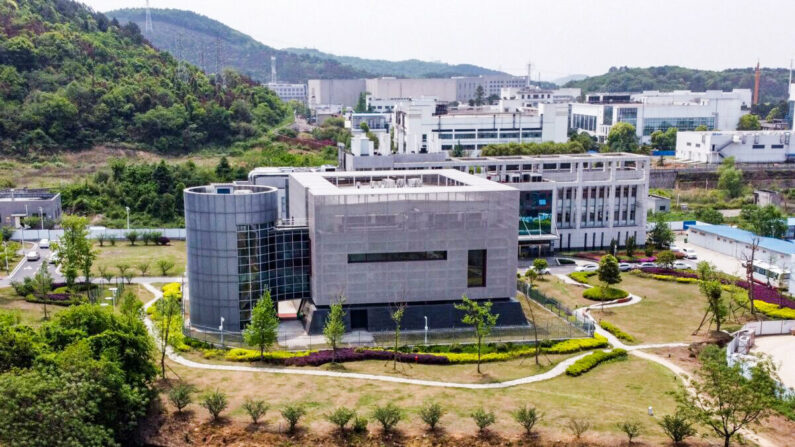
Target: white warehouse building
x,y
652,110
771,146
426,126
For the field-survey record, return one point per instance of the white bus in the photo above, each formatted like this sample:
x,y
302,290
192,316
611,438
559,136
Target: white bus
x,y
771,274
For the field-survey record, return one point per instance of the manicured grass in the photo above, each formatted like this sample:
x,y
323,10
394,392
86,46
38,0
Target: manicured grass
x,y
569,295
611,393
132,255
668,311
31,314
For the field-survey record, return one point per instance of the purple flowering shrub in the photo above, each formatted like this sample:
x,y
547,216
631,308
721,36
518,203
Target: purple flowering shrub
x,y
357,354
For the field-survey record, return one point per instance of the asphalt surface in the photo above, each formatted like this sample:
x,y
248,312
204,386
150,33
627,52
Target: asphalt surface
x,y
26,269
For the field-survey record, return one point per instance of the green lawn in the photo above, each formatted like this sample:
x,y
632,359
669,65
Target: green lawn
x,y
668,312
123,253
31,314
567,294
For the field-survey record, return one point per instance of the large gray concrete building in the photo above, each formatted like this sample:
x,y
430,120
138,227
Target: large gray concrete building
x,y
376,238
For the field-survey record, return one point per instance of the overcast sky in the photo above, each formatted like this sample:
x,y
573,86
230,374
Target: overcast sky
x,y
561,37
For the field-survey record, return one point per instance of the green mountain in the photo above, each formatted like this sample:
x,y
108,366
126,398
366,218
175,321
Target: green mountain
x,y
71,78
772,87
200,40
411,68
195,38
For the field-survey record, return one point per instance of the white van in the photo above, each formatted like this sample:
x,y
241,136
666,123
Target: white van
x,y
690,253
44,243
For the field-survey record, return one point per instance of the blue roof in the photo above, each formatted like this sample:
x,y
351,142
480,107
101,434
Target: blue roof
x,y
768,243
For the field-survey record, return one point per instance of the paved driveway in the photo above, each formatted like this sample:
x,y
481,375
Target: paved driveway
x,y
724,263
782,349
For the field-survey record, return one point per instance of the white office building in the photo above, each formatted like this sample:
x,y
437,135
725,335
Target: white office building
x,y
384,105
288,92
428,126
512,98
566,202
770,146
652,110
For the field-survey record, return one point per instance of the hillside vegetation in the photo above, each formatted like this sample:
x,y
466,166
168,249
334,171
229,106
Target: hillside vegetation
x,y
773,81
411,68
195,38
71,78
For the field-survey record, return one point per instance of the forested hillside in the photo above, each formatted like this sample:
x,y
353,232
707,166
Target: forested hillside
x,y
71,78
196,38
773,82
411,68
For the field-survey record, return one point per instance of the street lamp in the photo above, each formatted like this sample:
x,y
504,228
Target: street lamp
x,y
5,254
41,218
128,217
426,330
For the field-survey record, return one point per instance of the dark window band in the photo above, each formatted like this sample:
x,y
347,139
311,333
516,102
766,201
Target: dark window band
x,y
354,258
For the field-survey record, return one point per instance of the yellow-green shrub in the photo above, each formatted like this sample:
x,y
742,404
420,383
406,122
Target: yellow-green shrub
x,y
771,310
172,289
577,344
590,361
581,277
613,329
250,355
602,294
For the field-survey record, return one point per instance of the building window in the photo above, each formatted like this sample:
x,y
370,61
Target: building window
x,y
776,146
476,268
355,258
758,146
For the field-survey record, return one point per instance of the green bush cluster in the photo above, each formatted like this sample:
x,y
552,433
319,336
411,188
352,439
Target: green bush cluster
x,y
577,345
590,361
665,277
604,294
615,330
251,355
582,276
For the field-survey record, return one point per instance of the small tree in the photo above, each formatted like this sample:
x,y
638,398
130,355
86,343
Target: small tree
x,y
631,429
101,238
397,317
167,309
630,245
661,235
335,326
480,318
130,307
146,237
532,276
723,399
527,417
713,291
255,409
666,259
388,416
677,426
263,329
165,266
292,414
609,273
131,236
42,283
431,413
122,268
143,267
340,417
578,426
181,395
483,419
706,271
215,402
540,264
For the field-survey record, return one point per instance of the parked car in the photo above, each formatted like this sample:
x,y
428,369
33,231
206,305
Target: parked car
x,y
53,259
675,248
624,266
44,243
32,256
587,268
543,271
647,265
679,265
690,253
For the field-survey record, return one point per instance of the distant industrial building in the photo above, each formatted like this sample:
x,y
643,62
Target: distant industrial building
x,y
288,92
747,146
340,92
428,126
658,204
513,98
16,204
652,110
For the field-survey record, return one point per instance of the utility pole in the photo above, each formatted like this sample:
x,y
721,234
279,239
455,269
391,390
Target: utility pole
x,y
756,84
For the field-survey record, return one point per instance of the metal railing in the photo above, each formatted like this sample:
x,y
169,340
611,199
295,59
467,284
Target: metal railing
x,y
554,306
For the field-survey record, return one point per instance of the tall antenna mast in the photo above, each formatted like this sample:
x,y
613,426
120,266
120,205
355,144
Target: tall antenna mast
x,y
529,73
148,25
273,69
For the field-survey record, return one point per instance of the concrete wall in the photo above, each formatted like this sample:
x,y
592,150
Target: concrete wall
x,y
334,91
211,222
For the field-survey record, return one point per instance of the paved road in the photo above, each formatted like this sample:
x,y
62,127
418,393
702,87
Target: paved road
x,y
25,268
781,349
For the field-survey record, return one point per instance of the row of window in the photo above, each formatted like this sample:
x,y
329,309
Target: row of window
x,y
772,146
489,134
354,258
683,124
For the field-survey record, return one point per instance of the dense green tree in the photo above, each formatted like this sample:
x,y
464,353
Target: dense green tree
x,y
749,122
361,103
479,96
661,235
547,147
622,138
262,331
709,215
664,140
167,309
666,259
608,271
767,221
73,249
334,328
730,178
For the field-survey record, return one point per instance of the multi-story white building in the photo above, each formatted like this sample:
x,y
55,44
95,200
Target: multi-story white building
x,y
750,146
512,98
384,105
427,126
288,92
652,110
566,202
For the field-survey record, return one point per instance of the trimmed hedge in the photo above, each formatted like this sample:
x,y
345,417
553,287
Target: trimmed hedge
x,y
590,361
601,294
250,355
582,276
613,329
172,288
577,345
57,299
